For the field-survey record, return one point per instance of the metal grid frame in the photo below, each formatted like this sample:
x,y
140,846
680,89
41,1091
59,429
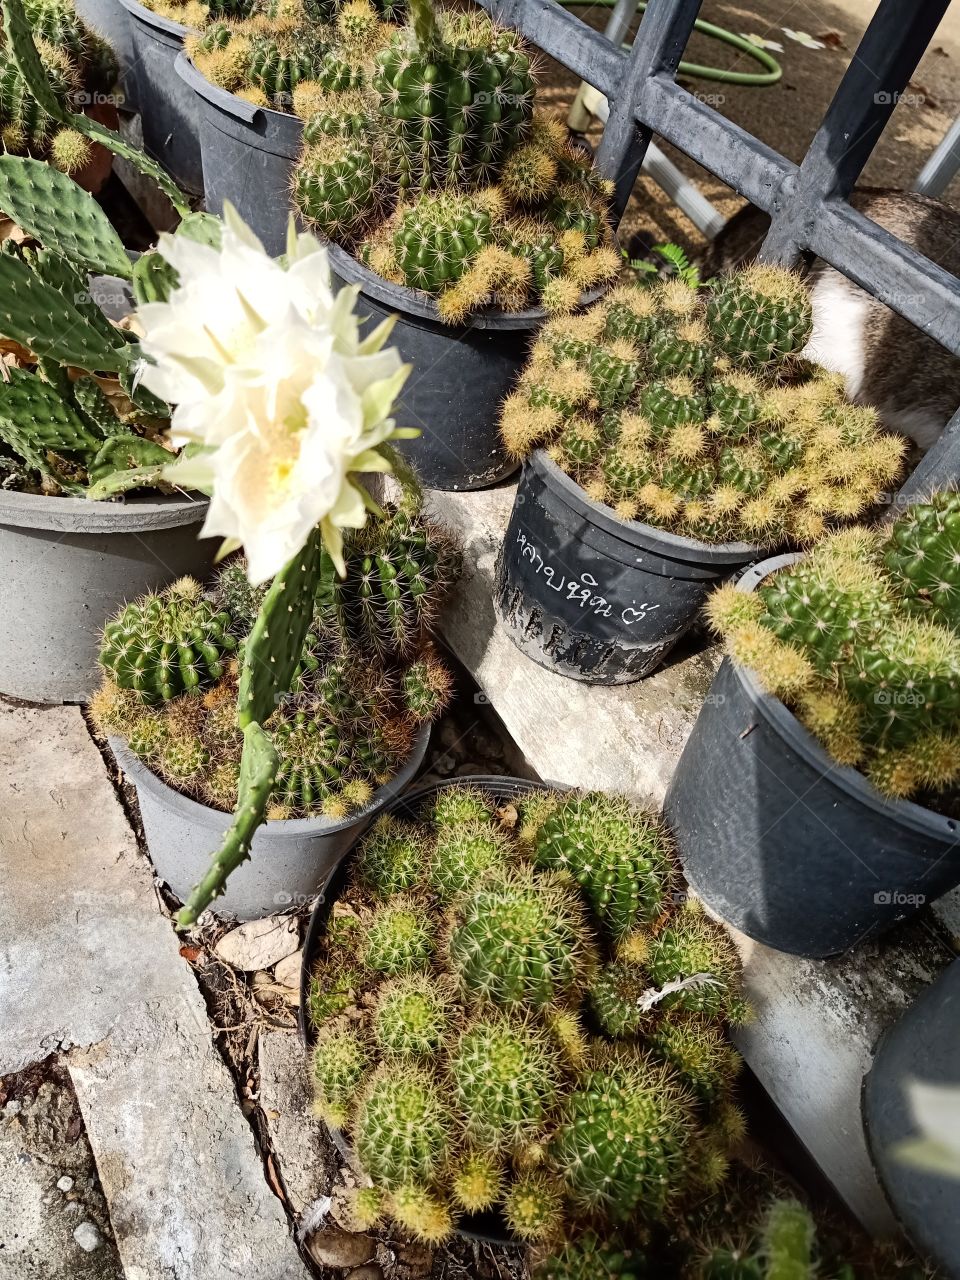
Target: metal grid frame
x,y
807,202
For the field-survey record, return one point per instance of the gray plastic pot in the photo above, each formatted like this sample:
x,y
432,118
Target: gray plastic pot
x,y
109,19
168,107
290,859
67,565
460,376
924,1045
594,597
248,156
779,840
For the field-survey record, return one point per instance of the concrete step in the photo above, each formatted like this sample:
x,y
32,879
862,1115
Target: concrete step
x,y
91,965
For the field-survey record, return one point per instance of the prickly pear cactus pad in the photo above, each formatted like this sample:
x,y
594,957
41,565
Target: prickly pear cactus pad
x,y
693,411
81,70
505,1025
860,639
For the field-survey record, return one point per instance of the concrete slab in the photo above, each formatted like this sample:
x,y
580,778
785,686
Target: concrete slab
x,y
81,936
50,1199
625,739
186,1188
305,1155
88,959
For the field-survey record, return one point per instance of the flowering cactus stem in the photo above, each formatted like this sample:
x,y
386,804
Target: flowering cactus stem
x,y
258,771
277,639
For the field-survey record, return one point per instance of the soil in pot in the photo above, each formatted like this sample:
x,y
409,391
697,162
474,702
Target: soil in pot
x,y
594,597
169,112
68,564
796,851
923,1047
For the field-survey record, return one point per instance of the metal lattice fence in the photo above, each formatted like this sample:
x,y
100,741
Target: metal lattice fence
x,y
807,202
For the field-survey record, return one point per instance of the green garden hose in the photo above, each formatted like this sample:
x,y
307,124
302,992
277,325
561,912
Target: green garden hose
x,y
754,79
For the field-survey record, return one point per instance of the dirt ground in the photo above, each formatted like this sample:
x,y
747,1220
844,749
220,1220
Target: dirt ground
x,y
787,114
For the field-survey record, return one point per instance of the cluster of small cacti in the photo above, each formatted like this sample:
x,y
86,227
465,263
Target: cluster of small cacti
x,y
367,677
291,55
696,414
860,639
471,1065
485,202
79,65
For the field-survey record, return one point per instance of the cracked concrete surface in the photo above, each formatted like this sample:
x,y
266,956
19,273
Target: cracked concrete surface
x,y
89,963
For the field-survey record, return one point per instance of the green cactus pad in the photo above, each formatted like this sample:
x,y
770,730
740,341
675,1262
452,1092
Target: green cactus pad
x,y
37,413
41,319
61,216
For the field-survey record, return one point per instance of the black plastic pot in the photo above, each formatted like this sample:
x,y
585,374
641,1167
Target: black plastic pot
x,y
460,376
168,107
924,1045
794,850
248,156
109,19
480,1226
594,597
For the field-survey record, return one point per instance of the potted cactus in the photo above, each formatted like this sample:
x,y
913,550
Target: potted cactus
x,y
81,72
815,802
555,1054
459,210
669,435
256,68
75,430
351,732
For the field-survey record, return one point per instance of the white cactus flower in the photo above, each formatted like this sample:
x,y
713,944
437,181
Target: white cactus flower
x,y
279,400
